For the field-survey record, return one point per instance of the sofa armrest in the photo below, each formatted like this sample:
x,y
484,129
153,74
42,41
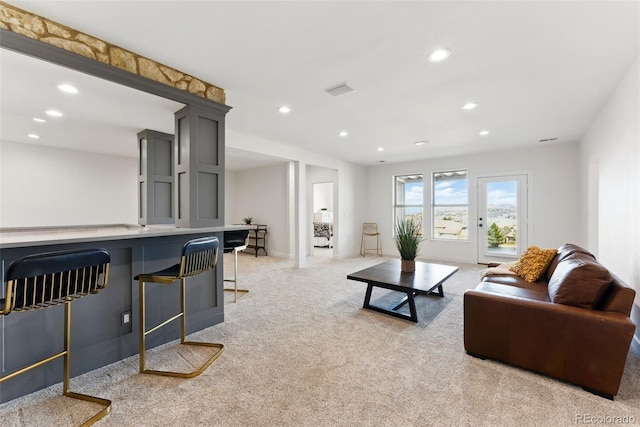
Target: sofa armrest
x,y
581,346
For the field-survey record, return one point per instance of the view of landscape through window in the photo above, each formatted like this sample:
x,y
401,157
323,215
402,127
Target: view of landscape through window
x,y
502,204
409,197
450,205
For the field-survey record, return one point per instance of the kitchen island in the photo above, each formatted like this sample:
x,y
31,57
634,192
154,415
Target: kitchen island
x,y
100,334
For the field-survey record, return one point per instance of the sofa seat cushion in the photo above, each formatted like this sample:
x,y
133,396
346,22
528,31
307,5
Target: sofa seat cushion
x,y
517,281
579,282
539,294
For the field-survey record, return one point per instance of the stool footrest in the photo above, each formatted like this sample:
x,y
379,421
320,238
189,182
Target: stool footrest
x,y
104,402
198,371
244,292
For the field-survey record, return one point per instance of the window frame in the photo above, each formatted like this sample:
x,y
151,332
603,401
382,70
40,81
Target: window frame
x,y
404,205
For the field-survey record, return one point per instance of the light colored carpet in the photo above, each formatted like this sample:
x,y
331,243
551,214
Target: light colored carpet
x,y
301,351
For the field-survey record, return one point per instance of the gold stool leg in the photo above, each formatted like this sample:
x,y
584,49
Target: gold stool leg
x,y
65,382
235,289
183,341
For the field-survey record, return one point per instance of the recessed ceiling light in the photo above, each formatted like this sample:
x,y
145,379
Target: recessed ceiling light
x,y
39,120
67,88
380,149
469,106
33,136
284,109
54,113
420,142
343,133
483,133
438,55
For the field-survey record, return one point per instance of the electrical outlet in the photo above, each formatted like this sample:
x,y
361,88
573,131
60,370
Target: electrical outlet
x,y
126,318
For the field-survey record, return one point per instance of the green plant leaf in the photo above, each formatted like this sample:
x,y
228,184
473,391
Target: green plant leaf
x,y
407,238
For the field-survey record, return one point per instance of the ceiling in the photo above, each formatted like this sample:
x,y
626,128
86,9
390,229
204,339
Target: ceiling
x,y
103,117
537,70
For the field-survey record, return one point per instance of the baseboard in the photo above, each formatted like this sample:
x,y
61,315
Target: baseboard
x,y
635,345
635,318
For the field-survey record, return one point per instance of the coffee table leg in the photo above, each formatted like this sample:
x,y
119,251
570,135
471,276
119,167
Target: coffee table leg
x,y
412,306
367,297
439,293
400,303
409,298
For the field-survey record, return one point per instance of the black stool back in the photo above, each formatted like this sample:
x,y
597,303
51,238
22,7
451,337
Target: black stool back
x,y
235,238
48,279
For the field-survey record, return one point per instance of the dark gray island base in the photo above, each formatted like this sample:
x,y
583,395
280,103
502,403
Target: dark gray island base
x,y
98,336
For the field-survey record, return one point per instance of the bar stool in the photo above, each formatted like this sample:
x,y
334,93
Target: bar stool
x,y
235,241
48,279
198,256
370,229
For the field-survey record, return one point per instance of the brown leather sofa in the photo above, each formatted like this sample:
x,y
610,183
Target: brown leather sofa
x,y
572,324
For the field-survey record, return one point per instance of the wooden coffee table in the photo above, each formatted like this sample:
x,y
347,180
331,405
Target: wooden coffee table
x,y
427,280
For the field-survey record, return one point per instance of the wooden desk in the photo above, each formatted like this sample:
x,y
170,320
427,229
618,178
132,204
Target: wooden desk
x,y
258,238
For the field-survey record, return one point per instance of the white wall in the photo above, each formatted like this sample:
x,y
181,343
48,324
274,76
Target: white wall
x,y
43,186
349,195
554,204
261,193
610,167
231,216
322,196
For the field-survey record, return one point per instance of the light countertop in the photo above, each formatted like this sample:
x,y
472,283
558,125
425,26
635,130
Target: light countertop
x,y
40,236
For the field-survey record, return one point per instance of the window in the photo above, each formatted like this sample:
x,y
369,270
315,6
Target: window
x,y
450,205
408,198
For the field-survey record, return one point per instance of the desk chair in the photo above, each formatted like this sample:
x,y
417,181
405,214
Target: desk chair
x,y
370,229
235,241
198,255
48,279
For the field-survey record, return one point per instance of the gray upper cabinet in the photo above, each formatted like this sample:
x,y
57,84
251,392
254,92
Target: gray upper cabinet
x,y
156,181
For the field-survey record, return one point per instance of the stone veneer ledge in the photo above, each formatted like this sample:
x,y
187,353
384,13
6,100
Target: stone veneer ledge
x,y
42,29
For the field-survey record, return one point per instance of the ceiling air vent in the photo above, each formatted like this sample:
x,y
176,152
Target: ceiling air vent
x,y
548,139
341,89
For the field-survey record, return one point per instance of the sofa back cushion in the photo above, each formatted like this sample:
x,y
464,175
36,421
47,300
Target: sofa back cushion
x,y
568,250
579,282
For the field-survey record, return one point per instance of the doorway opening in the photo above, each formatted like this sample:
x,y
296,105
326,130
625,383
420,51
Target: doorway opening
x,y
323,231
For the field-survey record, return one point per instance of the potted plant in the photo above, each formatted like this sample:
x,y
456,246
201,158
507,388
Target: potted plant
x,y
248,220
408,240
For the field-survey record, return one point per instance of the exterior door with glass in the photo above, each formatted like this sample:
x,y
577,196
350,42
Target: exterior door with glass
x,y
502,218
